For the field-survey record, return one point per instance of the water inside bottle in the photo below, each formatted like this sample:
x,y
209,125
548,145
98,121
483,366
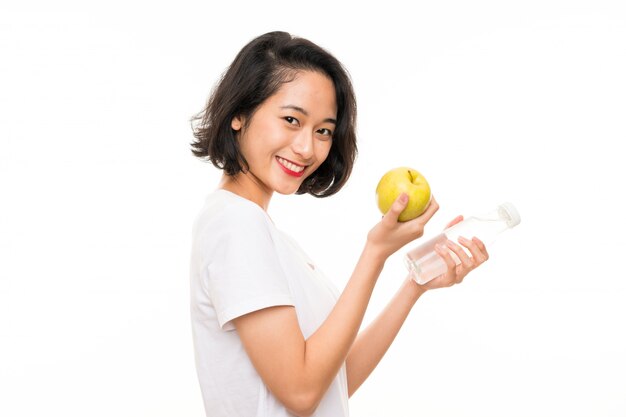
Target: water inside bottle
x,y
424,263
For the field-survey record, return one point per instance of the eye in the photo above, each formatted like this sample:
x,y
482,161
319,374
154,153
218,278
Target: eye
x,y
292,120
327,133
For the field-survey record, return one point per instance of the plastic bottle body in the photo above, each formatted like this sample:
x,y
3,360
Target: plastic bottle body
x,y
425,264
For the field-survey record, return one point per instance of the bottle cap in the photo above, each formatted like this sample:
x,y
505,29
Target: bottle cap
x,y
509,212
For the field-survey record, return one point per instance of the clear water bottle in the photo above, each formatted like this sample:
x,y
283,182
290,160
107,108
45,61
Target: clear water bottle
x,y
425,264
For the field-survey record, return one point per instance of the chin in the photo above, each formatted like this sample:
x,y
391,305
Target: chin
x,y
286,191
285,186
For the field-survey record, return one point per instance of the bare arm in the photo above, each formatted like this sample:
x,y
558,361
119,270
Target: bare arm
x,y
372,343
299,371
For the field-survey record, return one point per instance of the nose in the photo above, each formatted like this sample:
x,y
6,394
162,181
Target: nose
x,y
302,145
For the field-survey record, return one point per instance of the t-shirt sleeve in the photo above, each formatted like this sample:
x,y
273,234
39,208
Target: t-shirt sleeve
x,y
244,269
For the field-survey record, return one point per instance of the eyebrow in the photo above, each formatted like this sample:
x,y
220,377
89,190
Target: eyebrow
x,y
301,110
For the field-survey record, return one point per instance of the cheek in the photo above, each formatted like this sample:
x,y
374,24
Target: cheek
x,y
324,151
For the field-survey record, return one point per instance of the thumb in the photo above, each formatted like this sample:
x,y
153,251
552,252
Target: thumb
x,y
396,208
454,221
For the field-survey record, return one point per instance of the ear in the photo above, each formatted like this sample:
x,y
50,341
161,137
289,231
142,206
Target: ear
x,y
236,123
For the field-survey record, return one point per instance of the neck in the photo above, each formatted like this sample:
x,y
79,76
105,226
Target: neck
x,y
247,186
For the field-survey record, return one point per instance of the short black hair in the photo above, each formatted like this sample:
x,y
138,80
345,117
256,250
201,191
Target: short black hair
x,y
256,73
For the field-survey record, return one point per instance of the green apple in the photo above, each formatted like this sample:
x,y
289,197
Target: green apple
x,y
403,180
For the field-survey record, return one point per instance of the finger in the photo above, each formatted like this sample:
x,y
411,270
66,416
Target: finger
x,y
477,254
481,246
454,221
450,276
432,208
466,261
391,217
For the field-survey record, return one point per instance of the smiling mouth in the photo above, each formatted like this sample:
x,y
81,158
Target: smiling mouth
x,y
290,168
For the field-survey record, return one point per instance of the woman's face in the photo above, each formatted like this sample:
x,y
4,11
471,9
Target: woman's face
x,y
289,134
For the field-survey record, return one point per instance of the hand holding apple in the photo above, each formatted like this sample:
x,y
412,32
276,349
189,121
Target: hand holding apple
x,y
389,234
403,180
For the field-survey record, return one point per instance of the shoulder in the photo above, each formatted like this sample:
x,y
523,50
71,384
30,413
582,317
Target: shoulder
x,y
226,213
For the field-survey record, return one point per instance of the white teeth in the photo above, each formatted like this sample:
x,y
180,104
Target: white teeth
x,y
290,166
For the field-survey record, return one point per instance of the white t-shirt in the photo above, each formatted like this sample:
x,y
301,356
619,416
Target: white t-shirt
x,y
240,262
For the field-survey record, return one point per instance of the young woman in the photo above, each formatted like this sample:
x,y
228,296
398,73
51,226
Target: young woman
x,y
272,336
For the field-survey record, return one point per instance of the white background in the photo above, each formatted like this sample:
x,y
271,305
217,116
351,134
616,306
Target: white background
x,y
490,100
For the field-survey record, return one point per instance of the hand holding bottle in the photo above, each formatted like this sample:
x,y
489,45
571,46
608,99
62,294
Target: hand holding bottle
x,y
456,272
428,261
